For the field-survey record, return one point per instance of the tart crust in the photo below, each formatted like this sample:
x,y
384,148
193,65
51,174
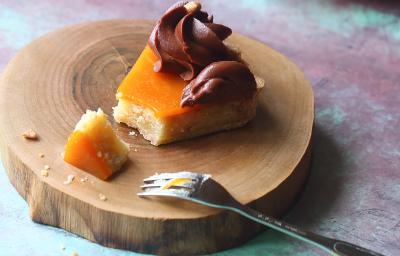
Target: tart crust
x,y
201,121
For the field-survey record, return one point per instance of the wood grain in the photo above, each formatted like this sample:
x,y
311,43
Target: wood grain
x,y
51,82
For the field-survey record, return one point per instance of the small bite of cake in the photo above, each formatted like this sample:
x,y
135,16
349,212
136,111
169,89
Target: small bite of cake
x,y
94,147
187,82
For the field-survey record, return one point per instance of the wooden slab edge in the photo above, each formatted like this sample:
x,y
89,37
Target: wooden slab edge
x,y
102,228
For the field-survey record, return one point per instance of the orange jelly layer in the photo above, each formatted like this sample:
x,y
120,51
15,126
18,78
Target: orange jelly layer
x,y
160,92
81,152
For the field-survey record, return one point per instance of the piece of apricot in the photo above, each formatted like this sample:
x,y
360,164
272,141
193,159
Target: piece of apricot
x,y
160,92
81,152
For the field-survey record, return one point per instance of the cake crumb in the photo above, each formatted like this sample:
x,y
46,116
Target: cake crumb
x,y
74,254
102,197
99,154
132,133
84,179
46,167
69,180
41,155
45,173
30,135
135,149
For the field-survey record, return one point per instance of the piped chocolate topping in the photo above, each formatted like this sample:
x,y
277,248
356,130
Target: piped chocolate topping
x,y
186,40
220,81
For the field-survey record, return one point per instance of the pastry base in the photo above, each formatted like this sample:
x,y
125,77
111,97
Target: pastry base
x,y
162,130
201,121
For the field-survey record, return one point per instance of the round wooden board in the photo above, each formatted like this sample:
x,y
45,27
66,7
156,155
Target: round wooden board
x,y
50,84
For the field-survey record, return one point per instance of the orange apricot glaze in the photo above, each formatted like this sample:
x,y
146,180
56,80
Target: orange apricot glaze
x,y
81,152
160,92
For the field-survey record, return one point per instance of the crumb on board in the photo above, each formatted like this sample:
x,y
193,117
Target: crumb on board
x,y
74,254
69,180
30,135
84,179
102,197
46,167
41,155
135,149
45,173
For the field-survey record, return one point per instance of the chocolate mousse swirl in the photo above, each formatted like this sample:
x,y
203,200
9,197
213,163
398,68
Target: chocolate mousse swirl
x,y
218,82
186,40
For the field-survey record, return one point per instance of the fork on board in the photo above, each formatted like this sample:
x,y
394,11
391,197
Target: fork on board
x,y
200,188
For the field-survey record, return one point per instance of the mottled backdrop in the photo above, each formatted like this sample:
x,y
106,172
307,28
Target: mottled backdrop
x,y
350,50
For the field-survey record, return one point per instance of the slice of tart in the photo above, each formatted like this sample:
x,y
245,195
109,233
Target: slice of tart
x,y
187,82
94,147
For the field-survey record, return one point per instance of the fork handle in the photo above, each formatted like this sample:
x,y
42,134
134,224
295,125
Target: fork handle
x,y
330,245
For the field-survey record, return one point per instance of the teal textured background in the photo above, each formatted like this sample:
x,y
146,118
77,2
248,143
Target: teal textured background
x,y
350,50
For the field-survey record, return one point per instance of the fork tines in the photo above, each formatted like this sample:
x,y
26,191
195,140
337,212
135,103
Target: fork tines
x,y
171,182
162,183
169,176
178,184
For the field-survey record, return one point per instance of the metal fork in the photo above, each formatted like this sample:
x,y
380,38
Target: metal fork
x,y
200,188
